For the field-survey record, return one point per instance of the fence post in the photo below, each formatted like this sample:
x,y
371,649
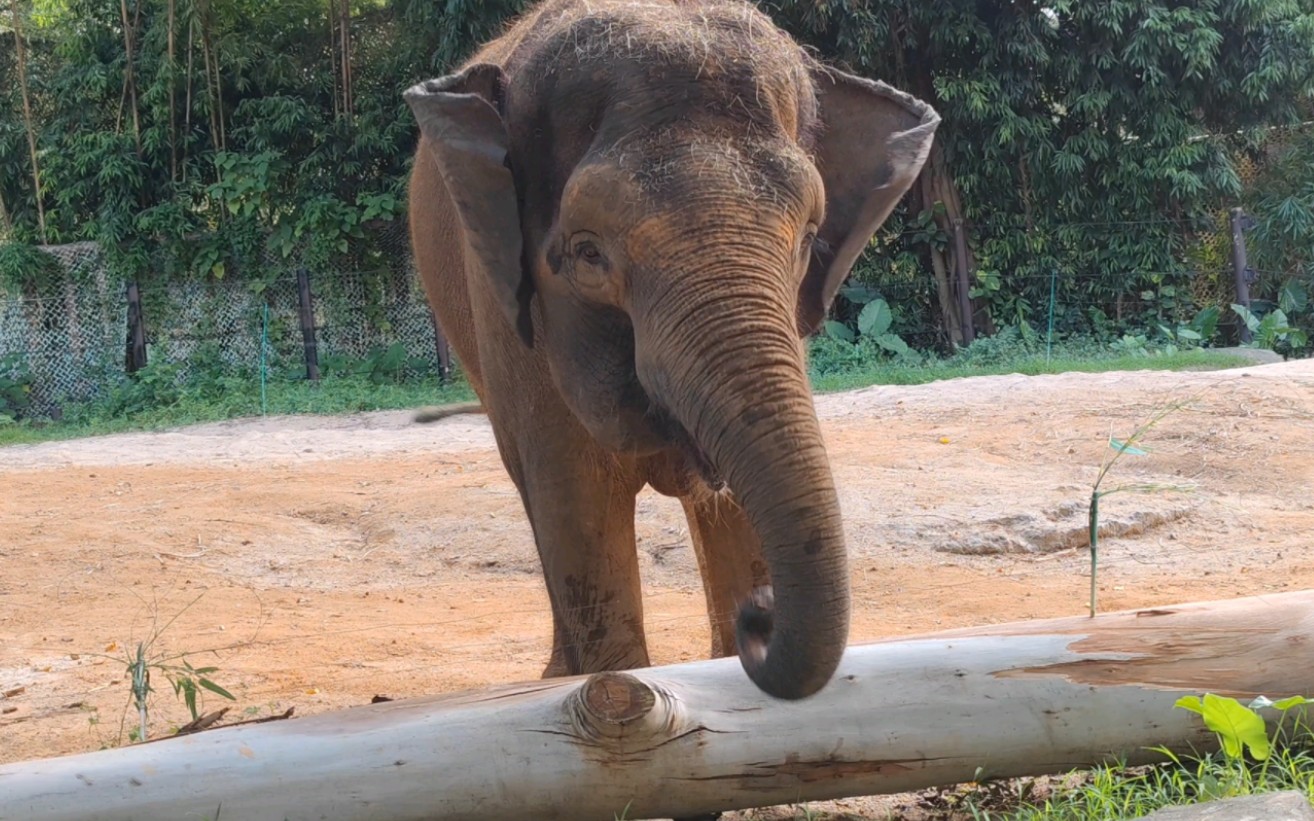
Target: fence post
x,y
444,350
964,287
308,325
136,359
1240,267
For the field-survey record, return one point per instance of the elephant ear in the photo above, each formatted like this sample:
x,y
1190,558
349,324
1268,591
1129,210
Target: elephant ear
x,y
460,120
872,144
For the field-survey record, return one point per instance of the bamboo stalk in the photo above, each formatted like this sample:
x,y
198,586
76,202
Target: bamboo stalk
x,y
344,25
29,126
129,75
187,106
173,98
333,56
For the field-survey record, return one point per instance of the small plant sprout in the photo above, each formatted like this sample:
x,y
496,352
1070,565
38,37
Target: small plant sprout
x,y
1130,445
187,681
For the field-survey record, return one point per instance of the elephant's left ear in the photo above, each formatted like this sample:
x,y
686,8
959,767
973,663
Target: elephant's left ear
x,y
873,142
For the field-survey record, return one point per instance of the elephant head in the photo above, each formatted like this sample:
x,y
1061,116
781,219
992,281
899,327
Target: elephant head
x,y
663,210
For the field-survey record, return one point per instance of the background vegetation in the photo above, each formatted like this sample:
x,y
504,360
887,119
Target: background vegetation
x,y
1089,150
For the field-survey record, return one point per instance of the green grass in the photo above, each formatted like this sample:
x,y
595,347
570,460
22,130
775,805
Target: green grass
x,y
1114,792
896,373
156,402
235,398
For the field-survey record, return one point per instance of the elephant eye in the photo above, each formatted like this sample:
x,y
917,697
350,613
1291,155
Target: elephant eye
x,y
588,252
809,243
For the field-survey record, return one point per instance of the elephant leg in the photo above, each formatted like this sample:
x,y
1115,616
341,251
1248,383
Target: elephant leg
x,y
581,507
730,559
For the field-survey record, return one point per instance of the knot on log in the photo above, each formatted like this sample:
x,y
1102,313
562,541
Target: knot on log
x,y
609,703
623,713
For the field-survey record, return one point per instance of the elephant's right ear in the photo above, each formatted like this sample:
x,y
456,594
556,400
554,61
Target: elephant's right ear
x,y
460,120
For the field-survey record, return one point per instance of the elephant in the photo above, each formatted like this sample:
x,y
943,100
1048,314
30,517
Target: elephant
x,y
628,216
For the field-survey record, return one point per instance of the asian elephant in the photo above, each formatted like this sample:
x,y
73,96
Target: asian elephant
x,y
627,216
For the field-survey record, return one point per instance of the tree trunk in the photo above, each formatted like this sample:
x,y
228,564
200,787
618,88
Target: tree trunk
x,y
1018,699
28,124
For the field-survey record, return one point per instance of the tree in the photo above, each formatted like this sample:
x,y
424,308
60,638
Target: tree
x,y
1070,140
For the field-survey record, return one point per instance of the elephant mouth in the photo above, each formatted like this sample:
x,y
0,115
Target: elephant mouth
x,y
703,466
695,458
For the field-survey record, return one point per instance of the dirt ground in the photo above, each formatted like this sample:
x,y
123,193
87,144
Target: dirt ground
x,y
327,560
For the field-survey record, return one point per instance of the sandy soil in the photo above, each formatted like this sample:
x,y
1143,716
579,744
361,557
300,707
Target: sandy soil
x,y
327,560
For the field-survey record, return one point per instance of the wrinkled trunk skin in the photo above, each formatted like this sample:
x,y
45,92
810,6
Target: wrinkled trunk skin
x,y
720,355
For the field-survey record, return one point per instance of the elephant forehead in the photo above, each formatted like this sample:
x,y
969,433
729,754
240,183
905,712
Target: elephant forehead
x,y
711,163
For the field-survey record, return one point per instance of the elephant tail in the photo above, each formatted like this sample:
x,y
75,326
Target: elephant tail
x,y
435,412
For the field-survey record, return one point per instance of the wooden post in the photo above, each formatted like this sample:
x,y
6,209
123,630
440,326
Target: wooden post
x,y
1240,267
307,314
964,285
136,353
1001,701
444,350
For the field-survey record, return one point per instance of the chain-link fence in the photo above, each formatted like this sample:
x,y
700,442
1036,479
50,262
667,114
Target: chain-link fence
x,y
63,341
69,341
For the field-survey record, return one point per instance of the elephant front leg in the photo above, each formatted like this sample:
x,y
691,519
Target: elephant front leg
x,y
730,560
582,515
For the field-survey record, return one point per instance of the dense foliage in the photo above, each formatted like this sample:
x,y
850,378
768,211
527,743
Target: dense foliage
x,y
1090,149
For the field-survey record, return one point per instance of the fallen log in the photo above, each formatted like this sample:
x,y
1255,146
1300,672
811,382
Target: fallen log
x,y
1007,700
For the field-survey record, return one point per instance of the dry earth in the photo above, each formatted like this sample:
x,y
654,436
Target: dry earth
x,y
327,560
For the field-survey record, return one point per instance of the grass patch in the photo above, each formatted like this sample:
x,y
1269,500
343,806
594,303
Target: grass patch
x,y
896,373
1114,792
233,398
158,398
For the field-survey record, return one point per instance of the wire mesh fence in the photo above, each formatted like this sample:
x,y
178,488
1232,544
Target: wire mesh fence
x,y
70,340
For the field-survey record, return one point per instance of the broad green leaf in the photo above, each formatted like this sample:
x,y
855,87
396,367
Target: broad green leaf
x,y
1293,701
840,331
1293,296
859,294
1237,726
1191,703
892,343
1246,316
1187,333
875,318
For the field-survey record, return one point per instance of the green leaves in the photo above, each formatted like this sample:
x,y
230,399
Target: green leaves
x,y
1237,726
840,331
1293,296
1272,330
875,318
187,681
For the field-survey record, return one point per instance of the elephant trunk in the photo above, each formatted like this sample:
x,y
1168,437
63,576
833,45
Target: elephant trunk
x,y
729,369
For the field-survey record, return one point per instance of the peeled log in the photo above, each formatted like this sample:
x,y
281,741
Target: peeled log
x,y
1007,700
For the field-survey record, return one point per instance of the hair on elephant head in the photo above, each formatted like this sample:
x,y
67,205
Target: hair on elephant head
x,y
661,199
